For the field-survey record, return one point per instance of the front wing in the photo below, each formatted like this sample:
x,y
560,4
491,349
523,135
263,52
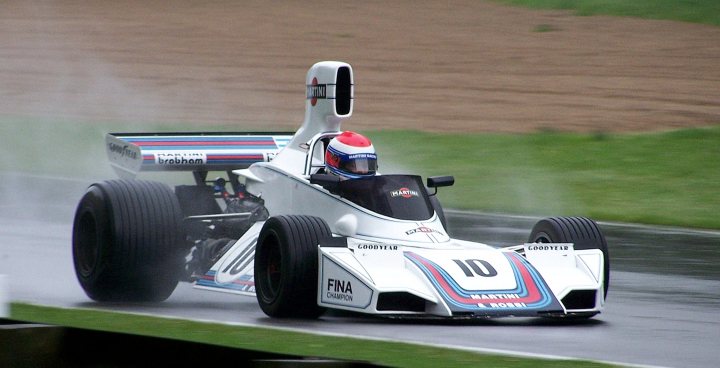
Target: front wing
x,y
398,280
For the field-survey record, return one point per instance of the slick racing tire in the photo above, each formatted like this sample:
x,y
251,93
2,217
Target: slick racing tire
x,y
581,231
286,266
128,241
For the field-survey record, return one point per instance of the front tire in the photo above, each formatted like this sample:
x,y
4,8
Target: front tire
x,y
582,231
286,266
128,242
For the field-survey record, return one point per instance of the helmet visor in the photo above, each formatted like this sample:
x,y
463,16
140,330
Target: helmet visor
x,y
359,163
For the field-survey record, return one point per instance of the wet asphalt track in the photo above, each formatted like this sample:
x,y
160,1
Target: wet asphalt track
x,y
663,306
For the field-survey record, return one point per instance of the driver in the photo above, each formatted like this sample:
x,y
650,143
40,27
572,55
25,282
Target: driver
x,y
351,155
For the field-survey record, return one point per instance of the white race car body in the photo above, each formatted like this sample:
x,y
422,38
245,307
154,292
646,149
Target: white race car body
x,y
385,265
378,261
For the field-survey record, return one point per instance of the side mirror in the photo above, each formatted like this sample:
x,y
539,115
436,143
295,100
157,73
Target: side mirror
x,y
440,181
329,182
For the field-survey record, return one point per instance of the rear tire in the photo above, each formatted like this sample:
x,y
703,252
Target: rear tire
x,y
128,243
286,266
581,231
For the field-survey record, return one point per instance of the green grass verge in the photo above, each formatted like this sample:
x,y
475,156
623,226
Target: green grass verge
x,y
694,11
668,178
385,353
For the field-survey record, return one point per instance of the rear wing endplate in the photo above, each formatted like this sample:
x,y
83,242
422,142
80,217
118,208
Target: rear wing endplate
x,y
130,153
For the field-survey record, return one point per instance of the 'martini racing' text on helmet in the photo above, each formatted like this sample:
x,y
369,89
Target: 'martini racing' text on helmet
x,y
351,155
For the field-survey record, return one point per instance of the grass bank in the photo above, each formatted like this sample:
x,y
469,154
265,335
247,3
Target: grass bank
x,y
694,11
384,353
668,178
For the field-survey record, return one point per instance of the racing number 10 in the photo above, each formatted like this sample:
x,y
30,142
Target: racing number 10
x,y
473,267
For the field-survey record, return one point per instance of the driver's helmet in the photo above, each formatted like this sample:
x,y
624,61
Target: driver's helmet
x,y
351,155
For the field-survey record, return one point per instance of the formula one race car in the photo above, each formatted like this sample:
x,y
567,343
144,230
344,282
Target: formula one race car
x,y
277,226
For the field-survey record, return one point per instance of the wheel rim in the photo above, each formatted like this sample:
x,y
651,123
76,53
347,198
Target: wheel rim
x,y
272,272
542,238
88,245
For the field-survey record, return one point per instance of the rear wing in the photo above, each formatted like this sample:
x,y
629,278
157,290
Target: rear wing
x,y
130,153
